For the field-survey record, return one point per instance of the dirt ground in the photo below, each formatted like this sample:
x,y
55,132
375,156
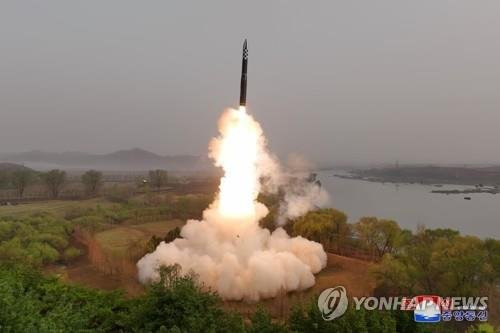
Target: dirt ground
x,y
340,271
114,244
343,271
83,272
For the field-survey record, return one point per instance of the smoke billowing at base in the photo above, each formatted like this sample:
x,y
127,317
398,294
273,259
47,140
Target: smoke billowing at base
x,y
228,251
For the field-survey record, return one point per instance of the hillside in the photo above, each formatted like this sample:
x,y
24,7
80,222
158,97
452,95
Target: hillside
x,y
124,160
9,167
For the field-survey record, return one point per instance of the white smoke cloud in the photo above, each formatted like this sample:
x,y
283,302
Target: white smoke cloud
x,y
299,199
228,251
300,193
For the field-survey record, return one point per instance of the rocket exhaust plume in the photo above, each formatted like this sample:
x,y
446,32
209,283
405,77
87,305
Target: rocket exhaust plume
x,y
228,251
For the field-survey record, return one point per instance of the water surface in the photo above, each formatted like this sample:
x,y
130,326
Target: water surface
x,y
413,204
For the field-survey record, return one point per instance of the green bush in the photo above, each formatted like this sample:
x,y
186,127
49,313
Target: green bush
x,y
177,302
190,206
71,253
77,211
57,241
30,302
92,223
34,240
120,194
116,215
39,253
7,230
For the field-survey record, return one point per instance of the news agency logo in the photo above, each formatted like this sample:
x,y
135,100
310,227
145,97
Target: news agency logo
x,y
332,302
428,309
432,308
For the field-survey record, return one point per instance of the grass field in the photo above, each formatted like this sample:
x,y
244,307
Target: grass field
x,y
115,244
55,207
116,241
158,228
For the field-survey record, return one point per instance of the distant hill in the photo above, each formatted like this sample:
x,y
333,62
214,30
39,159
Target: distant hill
x,y
10,167
124,160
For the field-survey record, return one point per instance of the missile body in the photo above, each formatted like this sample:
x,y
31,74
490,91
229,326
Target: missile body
x,y
243,85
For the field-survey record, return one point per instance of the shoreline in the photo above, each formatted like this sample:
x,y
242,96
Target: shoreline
x,y
491,189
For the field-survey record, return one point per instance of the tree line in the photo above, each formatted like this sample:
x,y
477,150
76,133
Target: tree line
x,y
55,180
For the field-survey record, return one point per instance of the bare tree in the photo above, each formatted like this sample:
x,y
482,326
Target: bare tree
x,y
54,180
158,178
92,180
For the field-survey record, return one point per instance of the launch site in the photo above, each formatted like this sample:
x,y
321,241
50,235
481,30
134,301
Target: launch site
x,y
266,166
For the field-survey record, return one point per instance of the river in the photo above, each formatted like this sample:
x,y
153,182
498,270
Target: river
x,y
414,204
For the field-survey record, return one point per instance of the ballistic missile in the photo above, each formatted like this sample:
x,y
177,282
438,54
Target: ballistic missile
x,y
243,85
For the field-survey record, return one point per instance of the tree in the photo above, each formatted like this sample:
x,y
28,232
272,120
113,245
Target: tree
x,y
444,265
461,264
307,318
263,323
21,179
31,302
379,236
481,328
4,179
327,226
54,180
92,180
158,178
492,247
176,302
33,240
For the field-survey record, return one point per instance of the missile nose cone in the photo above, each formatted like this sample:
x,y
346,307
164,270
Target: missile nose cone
x,y
245,50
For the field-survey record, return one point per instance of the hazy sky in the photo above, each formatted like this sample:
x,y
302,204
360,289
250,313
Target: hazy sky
x,y
340,81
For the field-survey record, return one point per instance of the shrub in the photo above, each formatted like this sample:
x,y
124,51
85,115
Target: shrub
x,y
34,240
71,253
92,223
76,211
120,194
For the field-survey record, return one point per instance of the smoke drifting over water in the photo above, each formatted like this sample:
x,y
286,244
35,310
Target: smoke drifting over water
x,y
228,250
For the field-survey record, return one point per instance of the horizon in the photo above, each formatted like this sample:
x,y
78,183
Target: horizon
x,y
325,165
334,82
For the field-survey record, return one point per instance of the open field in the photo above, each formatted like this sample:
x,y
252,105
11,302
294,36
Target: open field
x,y
55,207
114,268
116,241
